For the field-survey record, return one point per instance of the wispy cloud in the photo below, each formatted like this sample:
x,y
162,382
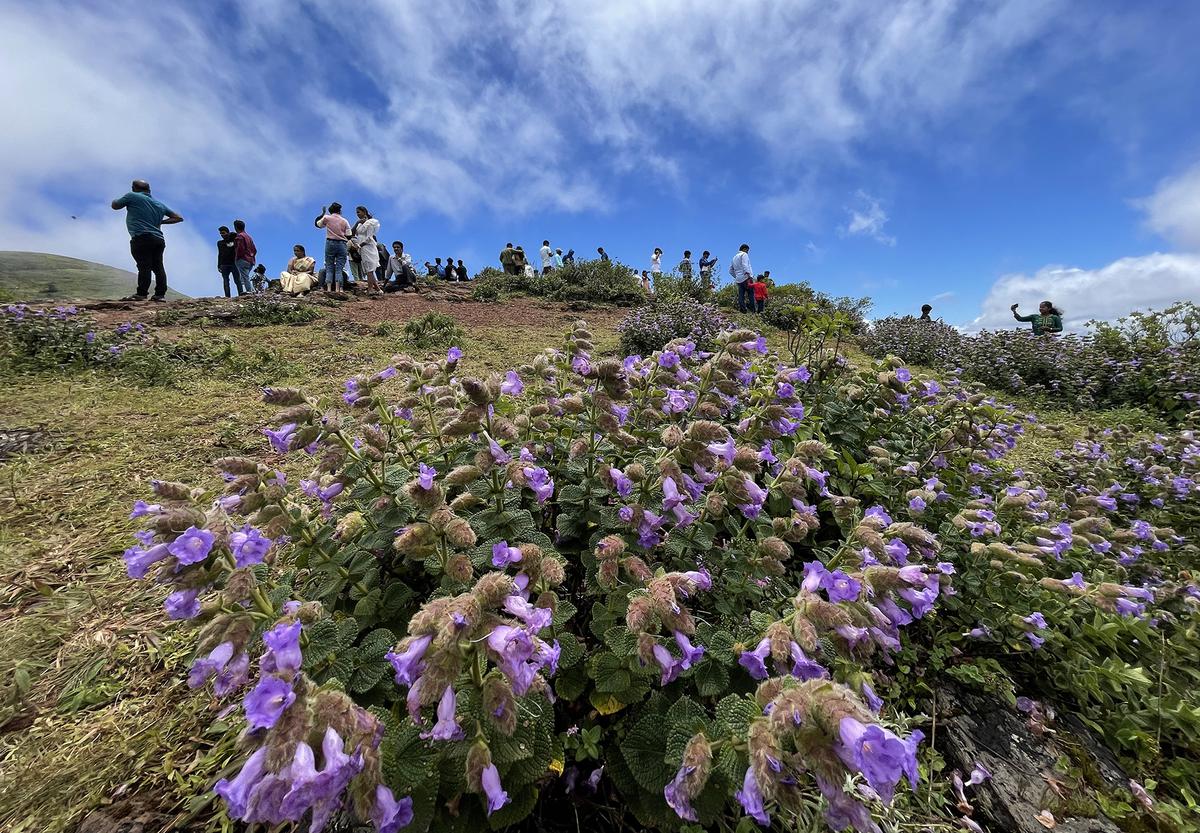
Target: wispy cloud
x,y
867,219
1173,210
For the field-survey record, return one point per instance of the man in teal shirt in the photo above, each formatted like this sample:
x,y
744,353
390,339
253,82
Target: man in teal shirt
x,y
144,218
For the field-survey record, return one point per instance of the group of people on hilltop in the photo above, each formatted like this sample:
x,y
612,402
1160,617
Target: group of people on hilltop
x,y
514,261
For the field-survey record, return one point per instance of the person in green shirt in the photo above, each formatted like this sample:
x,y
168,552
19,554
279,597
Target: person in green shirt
x,y
1047,320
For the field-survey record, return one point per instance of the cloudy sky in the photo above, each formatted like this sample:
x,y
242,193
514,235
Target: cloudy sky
x,y
971,154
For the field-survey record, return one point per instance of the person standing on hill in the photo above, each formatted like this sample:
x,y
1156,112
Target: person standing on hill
x,y
520,261
742,274
706,268
1048,318
603,254
244,252
225,264
569,258
547,257
508,259
337,229
558,259
144,219
925,310
656,263
364,241
685,266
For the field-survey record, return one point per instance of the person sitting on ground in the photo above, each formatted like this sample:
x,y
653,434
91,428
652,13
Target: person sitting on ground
x,y
529,271
259,278
400,266
603,254
451,272
430,269
759,287
300,275
925,310
1048,318
461,271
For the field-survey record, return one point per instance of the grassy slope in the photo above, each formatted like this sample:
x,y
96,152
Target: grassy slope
x,y
26,276
106,716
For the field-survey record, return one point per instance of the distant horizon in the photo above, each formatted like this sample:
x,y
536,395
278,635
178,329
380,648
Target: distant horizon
x,y
965,154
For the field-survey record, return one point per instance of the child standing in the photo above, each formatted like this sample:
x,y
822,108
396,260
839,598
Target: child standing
x,y
759,287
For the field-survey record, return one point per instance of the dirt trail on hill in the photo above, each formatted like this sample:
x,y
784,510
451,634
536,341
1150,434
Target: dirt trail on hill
x,y
399,307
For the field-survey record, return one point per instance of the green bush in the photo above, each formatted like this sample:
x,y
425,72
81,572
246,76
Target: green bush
x,y
270,310
432,330
594,281
665,318
783,298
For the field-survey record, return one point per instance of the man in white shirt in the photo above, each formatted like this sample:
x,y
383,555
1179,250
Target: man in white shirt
x,y
739,269
547,257
400,265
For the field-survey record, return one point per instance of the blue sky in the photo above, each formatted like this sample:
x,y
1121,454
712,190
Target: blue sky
x,y
972,154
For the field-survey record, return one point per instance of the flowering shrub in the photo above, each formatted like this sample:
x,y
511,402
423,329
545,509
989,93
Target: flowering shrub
x,y
679,581
665,318
1113,368
593,281
62,336
927,343
784,298
268,310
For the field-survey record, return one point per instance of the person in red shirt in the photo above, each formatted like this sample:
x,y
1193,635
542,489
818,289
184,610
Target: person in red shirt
x,y
759,287
244,253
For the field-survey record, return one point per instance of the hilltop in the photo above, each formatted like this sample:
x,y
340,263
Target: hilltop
x,y
29,276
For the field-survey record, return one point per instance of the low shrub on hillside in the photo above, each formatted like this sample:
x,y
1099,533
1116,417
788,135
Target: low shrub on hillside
x,y
592,281
270,310
665,318
432,330
675,586
927,343
784,299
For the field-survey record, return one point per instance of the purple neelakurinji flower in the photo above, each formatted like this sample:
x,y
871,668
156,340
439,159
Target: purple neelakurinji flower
x,y
880,513
759,345
498,453
879,755
751,799
1076,580
621,412
267,702
903,374
389,815
670,670
1037,620
183,604
814,576
676,402
621,482
425,476
841,587
916,505
873,700
539,480
192,546
979,774
897,550
800,374
691,653
140,508
755,661
676,800
233,676
281,440
283,648
453,355
512,384
804,668
330,492
1034,640
581,365
673,503
1125,607
496,796
701,578
409,664
724,451
669,359
535,618
352,394
249,546
236,793
447,727
138,561
913,574
503,555
205,667
1142,530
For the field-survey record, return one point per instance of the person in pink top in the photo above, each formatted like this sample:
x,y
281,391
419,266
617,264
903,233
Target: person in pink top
x,y
337,230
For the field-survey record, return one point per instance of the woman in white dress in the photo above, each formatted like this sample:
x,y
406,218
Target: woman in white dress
x,y
368,249
656,262
300,275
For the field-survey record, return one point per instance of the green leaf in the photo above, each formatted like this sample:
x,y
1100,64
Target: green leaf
x,y
712,678
520,805
644,750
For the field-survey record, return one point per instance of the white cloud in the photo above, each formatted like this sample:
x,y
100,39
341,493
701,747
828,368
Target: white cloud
x,y
1131,283
867,219
1173,210
944,296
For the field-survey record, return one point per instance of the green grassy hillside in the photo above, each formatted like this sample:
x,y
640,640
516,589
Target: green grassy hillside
x,y
29,276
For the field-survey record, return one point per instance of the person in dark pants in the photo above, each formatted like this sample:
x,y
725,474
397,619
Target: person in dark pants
x,y
461,272
245,254
743,275
225,263
144,218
